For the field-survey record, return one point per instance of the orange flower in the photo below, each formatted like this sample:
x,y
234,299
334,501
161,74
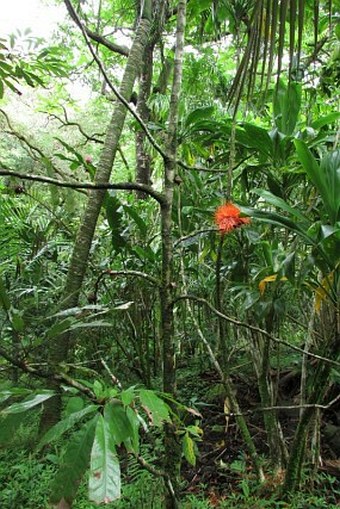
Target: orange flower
x,y
227,218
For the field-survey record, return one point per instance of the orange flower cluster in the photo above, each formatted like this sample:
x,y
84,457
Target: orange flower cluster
x,y
227,218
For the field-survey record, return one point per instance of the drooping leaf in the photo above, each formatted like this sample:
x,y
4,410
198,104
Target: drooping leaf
x,y
154,404
104,481
118,422
269,279
28,403
75,462
66,424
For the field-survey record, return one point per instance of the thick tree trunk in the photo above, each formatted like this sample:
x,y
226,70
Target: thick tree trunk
x,y
60,348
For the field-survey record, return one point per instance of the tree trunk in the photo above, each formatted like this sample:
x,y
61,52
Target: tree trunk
x,y
61,346
172,446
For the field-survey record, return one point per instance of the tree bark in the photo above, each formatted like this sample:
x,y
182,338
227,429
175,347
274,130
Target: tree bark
x,y
172,452
60,347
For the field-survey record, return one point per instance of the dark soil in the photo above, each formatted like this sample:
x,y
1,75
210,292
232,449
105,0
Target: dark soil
x,y
222,459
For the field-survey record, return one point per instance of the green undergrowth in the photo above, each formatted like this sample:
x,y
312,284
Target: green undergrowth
x,y
25,481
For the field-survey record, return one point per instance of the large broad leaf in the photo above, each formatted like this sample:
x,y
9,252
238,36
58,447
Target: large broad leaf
x,y
61,427
325,177
104,481
157,410
118,422
75,462
27,404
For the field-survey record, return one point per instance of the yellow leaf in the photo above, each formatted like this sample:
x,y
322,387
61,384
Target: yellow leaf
x,y
269,279
322,290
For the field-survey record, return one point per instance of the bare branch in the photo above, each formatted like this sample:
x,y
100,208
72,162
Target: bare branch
x,y
124,186
256,329
116,48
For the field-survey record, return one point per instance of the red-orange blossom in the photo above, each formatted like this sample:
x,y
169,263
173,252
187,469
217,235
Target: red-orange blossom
x,y
227,218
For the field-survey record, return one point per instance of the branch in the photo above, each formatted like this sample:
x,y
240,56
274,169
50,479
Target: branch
x,y
256,329
116,48
124,186
286,407
116,92
57,377
135,273
68,122
194,234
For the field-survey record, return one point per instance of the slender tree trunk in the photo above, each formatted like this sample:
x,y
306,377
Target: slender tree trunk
x,y
143,156
172,446
61,346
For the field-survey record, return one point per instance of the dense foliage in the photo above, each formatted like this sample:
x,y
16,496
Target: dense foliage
x,y
169,245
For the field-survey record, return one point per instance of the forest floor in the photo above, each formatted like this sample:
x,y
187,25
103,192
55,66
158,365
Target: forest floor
x,y
223,466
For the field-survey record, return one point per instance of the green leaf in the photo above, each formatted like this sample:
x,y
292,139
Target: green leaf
x,y
128,396
75,462
14,391
287,103
66,424
143,227
326,120
8,425
159,410
59,327
199,114
281,204
74,404
118,422
28,403
252,136
189,449
278,220
17,320
325,177
135,422
114,218
70,149
4,299
104,481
